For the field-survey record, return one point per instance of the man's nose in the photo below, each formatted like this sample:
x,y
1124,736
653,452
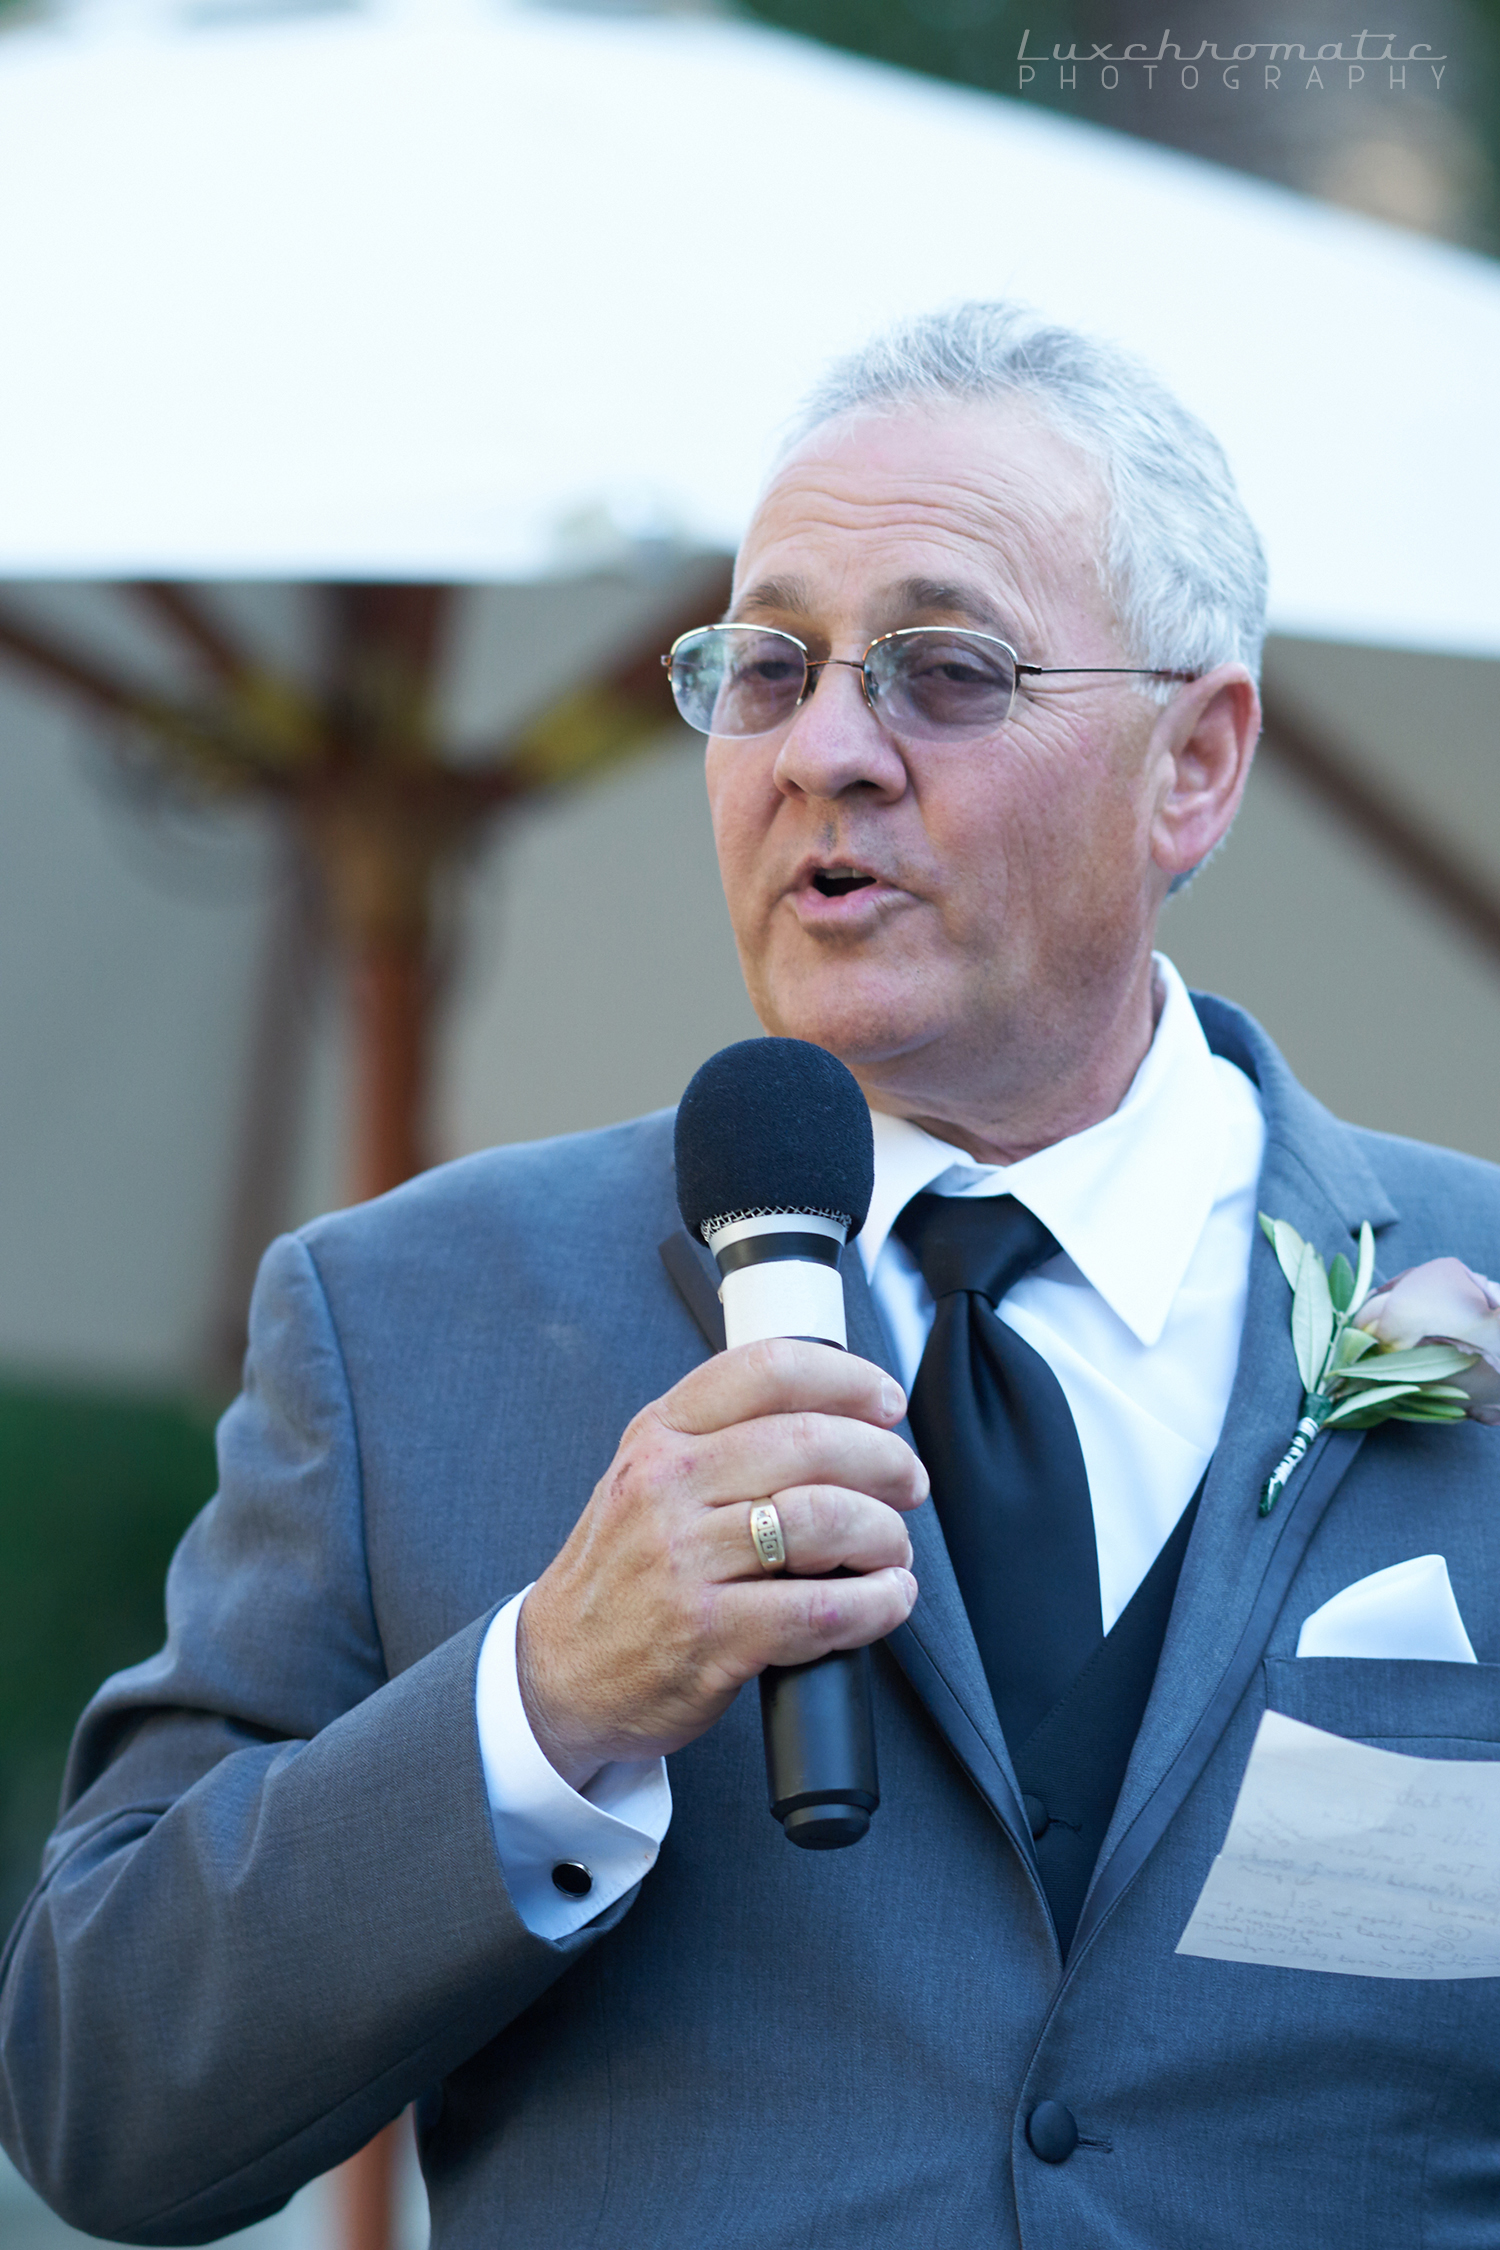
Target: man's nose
x,y
835,742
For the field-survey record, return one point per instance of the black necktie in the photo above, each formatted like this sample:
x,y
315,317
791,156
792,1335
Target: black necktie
x,y
1008,1478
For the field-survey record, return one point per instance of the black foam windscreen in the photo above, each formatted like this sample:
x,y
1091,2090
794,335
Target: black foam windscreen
x,y
773,1125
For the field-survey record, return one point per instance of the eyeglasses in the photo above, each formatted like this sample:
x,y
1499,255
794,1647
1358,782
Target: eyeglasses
x,y
925,683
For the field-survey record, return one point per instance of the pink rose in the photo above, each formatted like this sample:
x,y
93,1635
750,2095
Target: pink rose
x,y
1443,1303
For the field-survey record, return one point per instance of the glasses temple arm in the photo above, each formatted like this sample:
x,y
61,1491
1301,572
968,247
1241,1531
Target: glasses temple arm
x,y
1135,671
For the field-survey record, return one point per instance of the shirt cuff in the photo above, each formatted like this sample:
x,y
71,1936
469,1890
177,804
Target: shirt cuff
x,y
612,1829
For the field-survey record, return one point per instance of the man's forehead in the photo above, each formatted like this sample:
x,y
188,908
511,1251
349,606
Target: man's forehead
x,y
936,508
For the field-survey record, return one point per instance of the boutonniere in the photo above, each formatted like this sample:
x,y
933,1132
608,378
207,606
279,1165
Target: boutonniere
x,y
1422,1348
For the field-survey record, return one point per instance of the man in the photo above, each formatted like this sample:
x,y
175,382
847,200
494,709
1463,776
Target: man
x,y
386,1820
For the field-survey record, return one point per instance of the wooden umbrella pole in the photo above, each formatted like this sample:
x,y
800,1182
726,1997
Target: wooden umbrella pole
x,y
380,849
366,2191
391,996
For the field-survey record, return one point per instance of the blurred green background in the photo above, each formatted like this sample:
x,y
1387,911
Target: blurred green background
x,y
95,1491
1426,158
1422,156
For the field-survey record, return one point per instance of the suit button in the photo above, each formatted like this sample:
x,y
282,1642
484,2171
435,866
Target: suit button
x,y
1052,2132
1037,1815
572,1878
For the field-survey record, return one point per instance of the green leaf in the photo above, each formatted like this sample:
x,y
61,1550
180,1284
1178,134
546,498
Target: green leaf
x,y
1366,1272
1353,1344
1341,1283
1312,1317
1363,1409
1287,1244
1424,1363
1439,1411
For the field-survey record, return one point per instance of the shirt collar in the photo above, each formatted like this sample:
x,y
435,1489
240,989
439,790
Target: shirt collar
x,y
1128,1199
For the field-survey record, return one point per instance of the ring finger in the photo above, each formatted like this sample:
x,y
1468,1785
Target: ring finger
x,y
824,1528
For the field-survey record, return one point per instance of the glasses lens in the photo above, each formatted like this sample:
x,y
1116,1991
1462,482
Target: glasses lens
x,y
737,680
933,685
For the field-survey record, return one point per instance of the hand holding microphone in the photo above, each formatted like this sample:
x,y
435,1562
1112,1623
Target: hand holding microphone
x,y
775,1169
659,1608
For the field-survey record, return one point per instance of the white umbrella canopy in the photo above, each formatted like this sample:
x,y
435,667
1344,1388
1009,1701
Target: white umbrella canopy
x,y
521,299
419,292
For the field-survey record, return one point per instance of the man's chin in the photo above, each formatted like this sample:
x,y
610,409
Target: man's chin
x,y
859,1019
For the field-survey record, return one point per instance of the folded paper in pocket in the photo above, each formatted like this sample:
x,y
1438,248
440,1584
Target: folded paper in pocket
x,y
1405,1611
1358,1862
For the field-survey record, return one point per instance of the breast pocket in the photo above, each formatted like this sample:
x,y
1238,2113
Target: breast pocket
x,y
1392,1703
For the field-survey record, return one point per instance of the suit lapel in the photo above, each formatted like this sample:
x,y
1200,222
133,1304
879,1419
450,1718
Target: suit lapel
x,y
695,1277
1239,1564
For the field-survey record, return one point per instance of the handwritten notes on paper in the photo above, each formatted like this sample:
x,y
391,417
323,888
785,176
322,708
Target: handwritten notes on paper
x,y
1355,1861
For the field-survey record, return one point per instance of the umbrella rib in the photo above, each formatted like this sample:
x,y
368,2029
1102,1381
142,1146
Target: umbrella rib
x,y
634,682
1426,859
38,652
190,622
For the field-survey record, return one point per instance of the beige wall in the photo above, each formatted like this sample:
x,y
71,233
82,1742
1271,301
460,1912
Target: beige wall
x,y
1381,1002
1380,1008
601,968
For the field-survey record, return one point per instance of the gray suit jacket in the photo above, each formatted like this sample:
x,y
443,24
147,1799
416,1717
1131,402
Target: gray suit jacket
x,y
272,1914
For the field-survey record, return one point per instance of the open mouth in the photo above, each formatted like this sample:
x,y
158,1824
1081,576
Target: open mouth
x,y
838,882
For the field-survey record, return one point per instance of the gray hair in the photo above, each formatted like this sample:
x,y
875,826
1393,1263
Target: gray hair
x,y
1183,565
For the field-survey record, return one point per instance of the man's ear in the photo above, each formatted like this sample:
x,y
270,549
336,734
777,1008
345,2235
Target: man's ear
x,y
1203,745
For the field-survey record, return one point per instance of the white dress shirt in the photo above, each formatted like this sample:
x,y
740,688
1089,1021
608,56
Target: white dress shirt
x,y
1139,1318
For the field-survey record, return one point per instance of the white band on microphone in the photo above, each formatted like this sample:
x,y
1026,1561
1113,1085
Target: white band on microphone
x,y
783,1297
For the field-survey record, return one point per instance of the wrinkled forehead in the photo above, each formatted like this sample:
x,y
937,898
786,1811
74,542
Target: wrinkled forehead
x,y
989,497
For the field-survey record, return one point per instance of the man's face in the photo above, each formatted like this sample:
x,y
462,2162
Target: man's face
x,y
913,908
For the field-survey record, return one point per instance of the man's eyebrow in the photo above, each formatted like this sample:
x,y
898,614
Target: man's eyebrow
x,y
924,597
771,597
951,599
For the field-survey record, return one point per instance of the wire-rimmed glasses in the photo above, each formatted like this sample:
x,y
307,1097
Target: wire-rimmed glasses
x,y
925,683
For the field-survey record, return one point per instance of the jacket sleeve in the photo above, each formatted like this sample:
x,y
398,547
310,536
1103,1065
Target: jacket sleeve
x,y
272,1913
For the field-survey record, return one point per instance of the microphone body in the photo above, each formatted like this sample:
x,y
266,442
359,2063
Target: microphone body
x,y
775,1166
780,1277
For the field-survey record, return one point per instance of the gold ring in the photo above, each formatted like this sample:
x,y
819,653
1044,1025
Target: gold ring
x,y
765,1534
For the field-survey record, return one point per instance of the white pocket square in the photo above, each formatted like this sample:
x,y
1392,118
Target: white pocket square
x,y
1407,1611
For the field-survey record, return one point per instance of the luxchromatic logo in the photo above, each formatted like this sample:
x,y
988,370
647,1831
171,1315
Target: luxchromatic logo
x,y
1270,65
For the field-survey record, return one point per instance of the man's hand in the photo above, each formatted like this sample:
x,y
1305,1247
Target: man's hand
x,y
657,1611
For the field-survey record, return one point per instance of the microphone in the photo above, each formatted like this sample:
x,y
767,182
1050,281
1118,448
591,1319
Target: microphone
x,y
775,1170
